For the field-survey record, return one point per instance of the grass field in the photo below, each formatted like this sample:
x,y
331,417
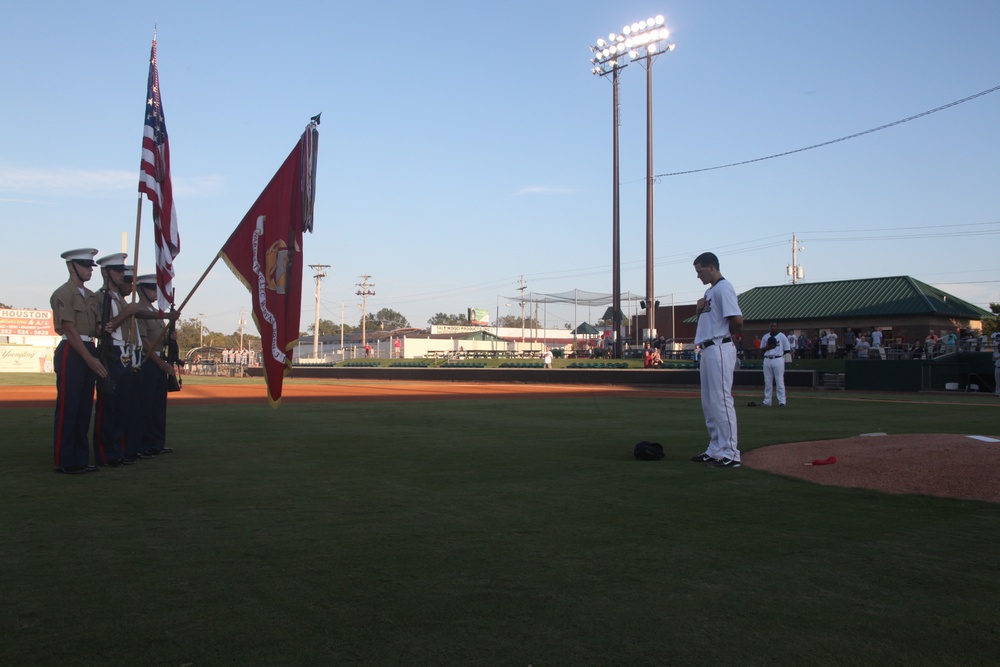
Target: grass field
x,y
509,532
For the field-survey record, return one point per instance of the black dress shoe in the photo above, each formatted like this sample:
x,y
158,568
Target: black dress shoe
x,y
165,450
90,469
72,470
144,455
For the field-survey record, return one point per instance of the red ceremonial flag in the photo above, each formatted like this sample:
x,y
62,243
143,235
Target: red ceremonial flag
x,y
265,252
154,181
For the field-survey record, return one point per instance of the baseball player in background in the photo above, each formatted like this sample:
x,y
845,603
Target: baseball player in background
x,y
719,321
775,346
996,368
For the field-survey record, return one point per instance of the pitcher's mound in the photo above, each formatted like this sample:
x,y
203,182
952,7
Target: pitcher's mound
x,y
951,466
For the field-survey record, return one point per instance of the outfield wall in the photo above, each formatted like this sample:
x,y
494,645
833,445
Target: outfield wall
x,y
685,377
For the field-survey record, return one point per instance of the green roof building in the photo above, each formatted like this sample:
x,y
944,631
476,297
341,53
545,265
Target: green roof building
x,y
902,307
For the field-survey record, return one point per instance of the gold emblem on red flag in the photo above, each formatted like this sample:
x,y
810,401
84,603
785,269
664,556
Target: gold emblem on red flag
x,y
276,265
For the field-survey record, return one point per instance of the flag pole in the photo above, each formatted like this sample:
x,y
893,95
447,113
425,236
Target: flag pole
x,y
135,265
198,284
135,255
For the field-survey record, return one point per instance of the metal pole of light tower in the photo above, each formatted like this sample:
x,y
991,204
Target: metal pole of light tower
x,y
650,292
608,58
616,266
644,40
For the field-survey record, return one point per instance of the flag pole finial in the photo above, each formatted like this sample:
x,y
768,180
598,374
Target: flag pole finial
x,y
315,119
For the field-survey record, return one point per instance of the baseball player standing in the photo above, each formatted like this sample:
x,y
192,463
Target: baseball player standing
x,y
719,321
775,346
996,369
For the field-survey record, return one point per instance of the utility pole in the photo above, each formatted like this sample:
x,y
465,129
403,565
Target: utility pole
x,y
522,288
320,274
365,292
243,322
342,330
201,330
795,270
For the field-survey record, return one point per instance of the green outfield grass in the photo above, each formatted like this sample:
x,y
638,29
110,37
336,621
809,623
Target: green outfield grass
x,y
479,532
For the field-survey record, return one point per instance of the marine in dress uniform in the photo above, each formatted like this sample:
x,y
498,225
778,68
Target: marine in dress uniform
x,y
111,414
132,429
76,364
155,372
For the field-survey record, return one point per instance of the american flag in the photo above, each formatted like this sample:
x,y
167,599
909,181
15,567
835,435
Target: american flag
x,y
154,181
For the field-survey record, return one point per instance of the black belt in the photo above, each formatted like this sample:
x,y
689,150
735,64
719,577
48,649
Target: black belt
x,y
778,356
710,342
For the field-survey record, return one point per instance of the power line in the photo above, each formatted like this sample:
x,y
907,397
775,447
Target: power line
x,y
834,141
894,237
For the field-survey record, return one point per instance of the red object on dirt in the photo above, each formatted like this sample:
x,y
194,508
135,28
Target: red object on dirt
x,y
825,462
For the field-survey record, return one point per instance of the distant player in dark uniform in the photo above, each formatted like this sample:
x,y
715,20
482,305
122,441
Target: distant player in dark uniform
x,y
76,364
155,373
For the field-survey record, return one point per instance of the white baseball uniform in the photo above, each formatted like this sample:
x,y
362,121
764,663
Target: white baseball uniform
x,y
774,366
717,363
996,369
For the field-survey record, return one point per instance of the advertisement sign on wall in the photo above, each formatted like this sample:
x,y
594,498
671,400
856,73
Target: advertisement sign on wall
x,y
25,359
14,322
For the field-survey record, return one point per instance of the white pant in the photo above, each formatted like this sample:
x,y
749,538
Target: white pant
x,y
774,375
716,366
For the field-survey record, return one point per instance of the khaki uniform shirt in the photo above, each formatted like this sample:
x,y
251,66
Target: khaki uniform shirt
x,y
70,303
150,330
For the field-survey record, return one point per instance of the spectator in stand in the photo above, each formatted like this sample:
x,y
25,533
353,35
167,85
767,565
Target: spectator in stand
x,y
822,344
930,343
949,342
848,342
756,347
862,348
831,344
802,344
877,343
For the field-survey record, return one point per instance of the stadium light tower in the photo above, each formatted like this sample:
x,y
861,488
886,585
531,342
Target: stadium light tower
x,y
640,42
609,58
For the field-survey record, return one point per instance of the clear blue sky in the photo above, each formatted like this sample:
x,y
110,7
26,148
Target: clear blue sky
x,y
465,144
